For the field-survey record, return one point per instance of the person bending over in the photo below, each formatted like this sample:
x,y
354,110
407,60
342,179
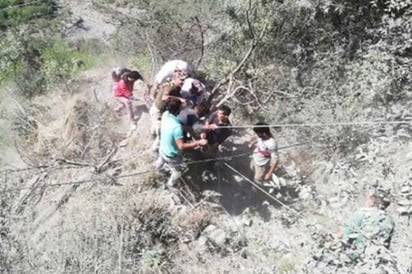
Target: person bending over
x,y
124,92
171,141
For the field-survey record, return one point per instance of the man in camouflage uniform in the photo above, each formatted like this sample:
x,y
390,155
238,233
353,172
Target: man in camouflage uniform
x,y
364,244
370,223
369,232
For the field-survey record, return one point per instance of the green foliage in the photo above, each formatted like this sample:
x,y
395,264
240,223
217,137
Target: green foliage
x,y
15,12
313,61
36,63
61,63
166,30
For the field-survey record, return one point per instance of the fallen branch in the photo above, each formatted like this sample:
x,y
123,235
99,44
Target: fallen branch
x,y
100,167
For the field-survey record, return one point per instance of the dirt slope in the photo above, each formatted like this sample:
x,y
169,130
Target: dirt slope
x,y
78,215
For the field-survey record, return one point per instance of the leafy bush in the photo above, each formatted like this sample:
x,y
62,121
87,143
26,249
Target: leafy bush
x,y
36,63
15,12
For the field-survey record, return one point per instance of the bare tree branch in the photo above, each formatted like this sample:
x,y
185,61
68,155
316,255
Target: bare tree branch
x,y
253,45
202,39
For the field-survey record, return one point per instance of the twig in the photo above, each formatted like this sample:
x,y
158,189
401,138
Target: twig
x,y
202,39
120,248
229,95
253,46
95,95
23,157
23,199
230,75
64,161
99,167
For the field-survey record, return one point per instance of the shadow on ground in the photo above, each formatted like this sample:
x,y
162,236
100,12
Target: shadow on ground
x,y
237,194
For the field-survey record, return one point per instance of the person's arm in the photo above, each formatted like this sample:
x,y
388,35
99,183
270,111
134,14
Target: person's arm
x,y
188,146
147,83
165,97
154,90
209,125
157,83
252,142
223,135
274,156
207,128
271,170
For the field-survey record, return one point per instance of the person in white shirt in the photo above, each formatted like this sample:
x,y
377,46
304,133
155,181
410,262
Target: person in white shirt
x,y
265,154
167,71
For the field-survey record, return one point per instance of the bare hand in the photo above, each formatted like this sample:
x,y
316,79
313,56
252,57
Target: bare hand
x,y
202,135
268,176
202,142
212,126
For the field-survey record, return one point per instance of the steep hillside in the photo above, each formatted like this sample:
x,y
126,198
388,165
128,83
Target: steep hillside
x,y
80,195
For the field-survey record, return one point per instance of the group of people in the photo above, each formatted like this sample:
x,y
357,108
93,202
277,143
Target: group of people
x,y
180,121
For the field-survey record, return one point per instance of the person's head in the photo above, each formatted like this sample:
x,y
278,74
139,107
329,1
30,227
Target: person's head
x,y
173,105
377,198
179,78
223,113
262,130
197,88
201,109
132,76
118,72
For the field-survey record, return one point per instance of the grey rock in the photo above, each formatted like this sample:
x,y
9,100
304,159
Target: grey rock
x,y
201,244
218,237
209,229
404,210
405,203
247,222
244,253
305,193
406,189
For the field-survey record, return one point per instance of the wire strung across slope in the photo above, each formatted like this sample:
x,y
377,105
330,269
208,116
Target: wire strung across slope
x,y
263,190
139,173
226,158
135,174
11,170
372,241
331,124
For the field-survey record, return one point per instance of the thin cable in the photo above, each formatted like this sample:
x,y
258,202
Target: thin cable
x,y
135,174
263,191
333,124
374,242
41,168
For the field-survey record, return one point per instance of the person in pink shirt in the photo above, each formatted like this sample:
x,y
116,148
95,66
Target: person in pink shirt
x,y
124,92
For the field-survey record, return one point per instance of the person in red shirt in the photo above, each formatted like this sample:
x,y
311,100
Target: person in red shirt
x,y
124,92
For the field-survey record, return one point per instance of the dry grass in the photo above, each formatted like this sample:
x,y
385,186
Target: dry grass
x,y
77,129
193,222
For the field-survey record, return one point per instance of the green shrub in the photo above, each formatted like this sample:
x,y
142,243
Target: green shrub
x,y
13,13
